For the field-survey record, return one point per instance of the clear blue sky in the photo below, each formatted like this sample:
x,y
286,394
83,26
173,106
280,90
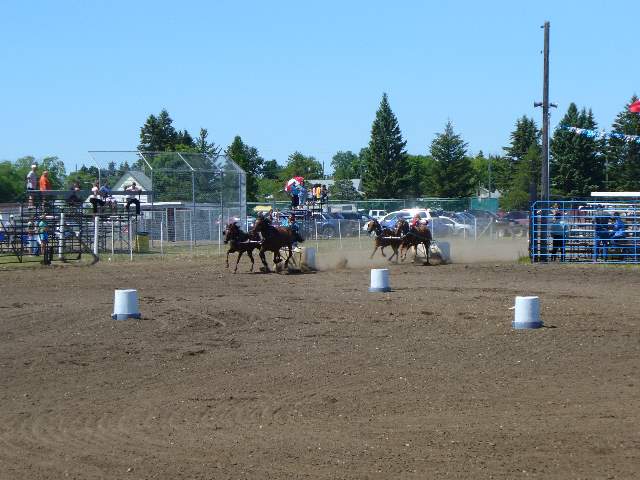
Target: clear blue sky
x,y
307,76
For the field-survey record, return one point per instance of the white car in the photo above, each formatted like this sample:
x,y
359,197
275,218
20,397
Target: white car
x,y
390,220
377,214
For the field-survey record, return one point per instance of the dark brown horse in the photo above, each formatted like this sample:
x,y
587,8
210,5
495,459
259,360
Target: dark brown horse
x,y
240,242
384,238
413,237
273,239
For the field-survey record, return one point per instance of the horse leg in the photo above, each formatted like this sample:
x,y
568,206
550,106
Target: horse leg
x,y
264,260
394,254
228,252
286,262
374,251
235,270
250,255
427,245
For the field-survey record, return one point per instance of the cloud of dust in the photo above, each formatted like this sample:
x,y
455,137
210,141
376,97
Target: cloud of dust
x,y
462,251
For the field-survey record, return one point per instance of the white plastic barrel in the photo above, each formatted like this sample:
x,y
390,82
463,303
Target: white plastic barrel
x,y
445,250
125,305
527,313
309,257
379,280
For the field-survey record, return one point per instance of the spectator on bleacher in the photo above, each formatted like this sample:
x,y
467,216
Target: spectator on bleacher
x,y
44,183
95,199
302,195
324,195
133,191
107,196
294,195
74,197
32,183
32,178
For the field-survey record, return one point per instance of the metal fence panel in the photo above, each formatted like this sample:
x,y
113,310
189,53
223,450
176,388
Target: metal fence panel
x,y
585,231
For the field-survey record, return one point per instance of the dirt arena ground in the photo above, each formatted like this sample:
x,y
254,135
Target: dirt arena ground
x,y
310,376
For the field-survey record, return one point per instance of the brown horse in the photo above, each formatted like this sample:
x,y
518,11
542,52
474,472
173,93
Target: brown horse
x,y
384,238
420,234
273,239
240,242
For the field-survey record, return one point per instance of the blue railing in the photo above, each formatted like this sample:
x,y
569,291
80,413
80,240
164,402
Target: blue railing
x,y
585,231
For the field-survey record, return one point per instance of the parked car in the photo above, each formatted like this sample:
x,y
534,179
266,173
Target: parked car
x,y
457,227
514,223
354,221
377,214
521,217
326,224
391,219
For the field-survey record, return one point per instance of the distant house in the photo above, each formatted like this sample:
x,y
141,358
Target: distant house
x,y
485,193
357,183
127,179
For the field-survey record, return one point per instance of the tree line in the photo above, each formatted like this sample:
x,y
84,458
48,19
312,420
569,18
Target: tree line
x,y
578,164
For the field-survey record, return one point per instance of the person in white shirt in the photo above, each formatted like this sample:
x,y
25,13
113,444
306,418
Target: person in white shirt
x,y
95,198
133,191
32,182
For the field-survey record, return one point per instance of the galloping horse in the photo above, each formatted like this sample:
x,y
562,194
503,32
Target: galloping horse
x,y
412,238
273,239
384,238
240,242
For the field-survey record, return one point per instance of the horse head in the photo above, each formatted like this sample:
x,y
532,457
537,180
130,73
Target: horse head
x,y
231,232
373,226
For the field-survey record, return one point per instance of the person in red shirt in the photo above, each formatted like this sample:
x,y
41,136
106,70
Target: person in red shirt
x,y
415,221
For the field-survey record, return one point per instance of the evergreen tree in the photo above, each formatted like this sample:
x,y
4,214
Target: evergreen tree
x,y
576,165
518,195
525,140
623,156
158,134
184,141
525,135
250,161
203,145
453,173
387,169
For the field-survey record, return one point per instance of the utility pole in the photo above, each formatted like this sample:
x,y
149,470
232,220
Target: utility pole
x,y
545,117
544,194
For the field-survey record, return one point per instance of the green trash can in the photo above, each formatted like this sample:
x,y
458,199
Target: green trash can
x,y
142,242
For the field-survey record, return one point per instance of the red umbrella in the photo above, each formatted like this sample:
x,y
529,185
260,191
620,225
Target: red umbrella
x,y
635,107
294,180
